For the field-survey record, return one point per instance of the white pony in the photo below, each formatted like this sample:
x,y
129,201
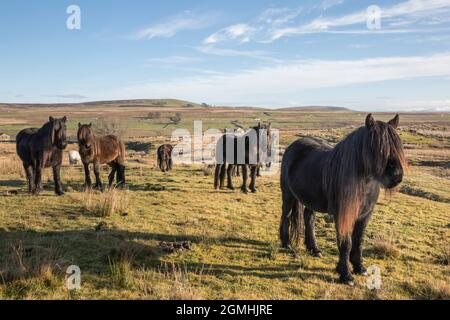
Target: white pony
x,y
74,157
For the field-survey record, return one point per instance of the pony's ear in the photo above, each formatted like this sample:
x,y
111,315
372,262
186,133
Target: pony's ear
x,y
90,125
79,125
51,119
394,121
259,124
370,121
64,119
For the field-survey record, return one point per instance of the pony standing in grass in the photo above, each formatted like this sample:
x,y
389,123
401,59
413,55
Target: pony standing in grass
x,y
164,155
108,149
42,148
343,181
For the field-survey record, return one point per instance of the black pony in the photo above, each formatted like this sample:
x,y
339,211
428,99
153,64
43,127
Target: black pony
x,y
343,181
249,149
42,148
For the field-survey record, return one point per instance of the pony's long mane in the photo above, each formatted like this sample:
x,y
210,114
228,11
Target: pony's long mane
x,y
48,131
362,154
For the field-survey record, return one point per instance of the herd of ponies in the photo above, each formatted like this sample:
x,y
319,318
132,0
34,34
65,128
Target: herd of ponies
x,y
342,180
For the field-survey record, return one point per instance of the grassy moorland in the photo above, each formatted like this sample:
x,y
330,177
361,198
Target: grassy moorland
x,y
123,240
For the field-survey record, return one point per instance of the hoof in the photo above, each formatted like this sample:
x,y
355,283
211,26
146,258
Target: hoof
x,y
360,270
59,193
244,191
253,190
230,187
347,280
315,253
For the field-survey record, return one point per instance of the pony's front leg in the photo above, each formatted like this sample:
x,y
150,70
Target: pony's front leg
x,y
217,174
98,181
244,178
29,173
57,179
342,267
310,236
357,238
230,170
87,176
253,172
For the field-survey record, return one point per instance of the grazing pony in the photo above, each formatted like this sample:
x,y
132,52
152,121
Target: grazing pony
x,y
343,181
248,149
42,148
107,149
165,157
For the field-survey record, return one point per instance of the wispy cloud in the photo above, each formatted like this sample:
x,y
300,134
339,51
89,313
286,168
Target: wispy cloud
x,y
184,21
404,13
280,83
327,4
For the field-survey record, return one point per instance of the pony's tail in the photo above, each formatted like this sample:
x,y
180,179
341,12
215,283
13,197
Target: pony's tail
x,y
296,223
122,152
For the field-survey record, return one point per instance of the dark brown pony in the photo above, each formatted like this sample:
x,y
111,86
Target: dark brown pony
x,y
343,181
164,154
246,150
42,148
99,150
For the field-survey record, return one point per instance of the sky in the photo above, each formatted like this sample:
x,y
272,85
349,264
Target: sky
x,y
375,55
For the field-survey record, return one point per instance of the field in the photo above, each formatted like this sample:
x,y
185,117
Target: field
x,y
172,236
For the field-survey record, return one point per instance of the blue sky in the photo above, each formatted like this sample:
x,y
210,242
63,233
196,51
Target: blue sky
x,y
259,53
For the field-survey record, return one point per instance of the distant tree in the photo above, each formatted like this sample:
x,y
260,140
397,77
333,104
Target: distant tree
x,y
188,105
176,119
205,105
154,115
105,126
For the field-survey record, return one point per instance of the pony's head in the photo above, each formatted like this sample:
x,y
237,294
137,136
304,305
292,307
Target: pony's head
x,y
383,152
58,132
85,135
264,134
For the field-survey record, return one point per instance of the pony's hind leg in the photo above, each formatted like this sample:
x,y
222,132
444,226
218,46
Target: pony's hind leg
x,y
310,236
230,170
112,175
287,206
120,177
29,173
253,173
357,238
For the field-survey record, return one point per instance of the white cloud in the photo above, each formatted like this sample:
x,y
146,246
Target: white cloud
x,y
184,21
281,83
240,31
258,54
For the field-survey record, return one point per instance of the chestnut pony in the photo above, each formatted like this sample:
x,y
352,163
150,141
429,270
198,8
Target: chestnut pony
x,y
343,181
108,149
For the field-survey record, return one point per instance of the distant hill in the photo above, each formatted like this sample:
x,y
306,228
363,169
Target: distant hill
x,y
317,108
155,103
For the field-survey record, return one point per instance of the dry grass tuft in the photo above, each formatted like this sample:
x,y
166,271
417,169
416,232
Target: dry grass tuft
x,y
30,262
105,204
12,167
430,289
384,247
